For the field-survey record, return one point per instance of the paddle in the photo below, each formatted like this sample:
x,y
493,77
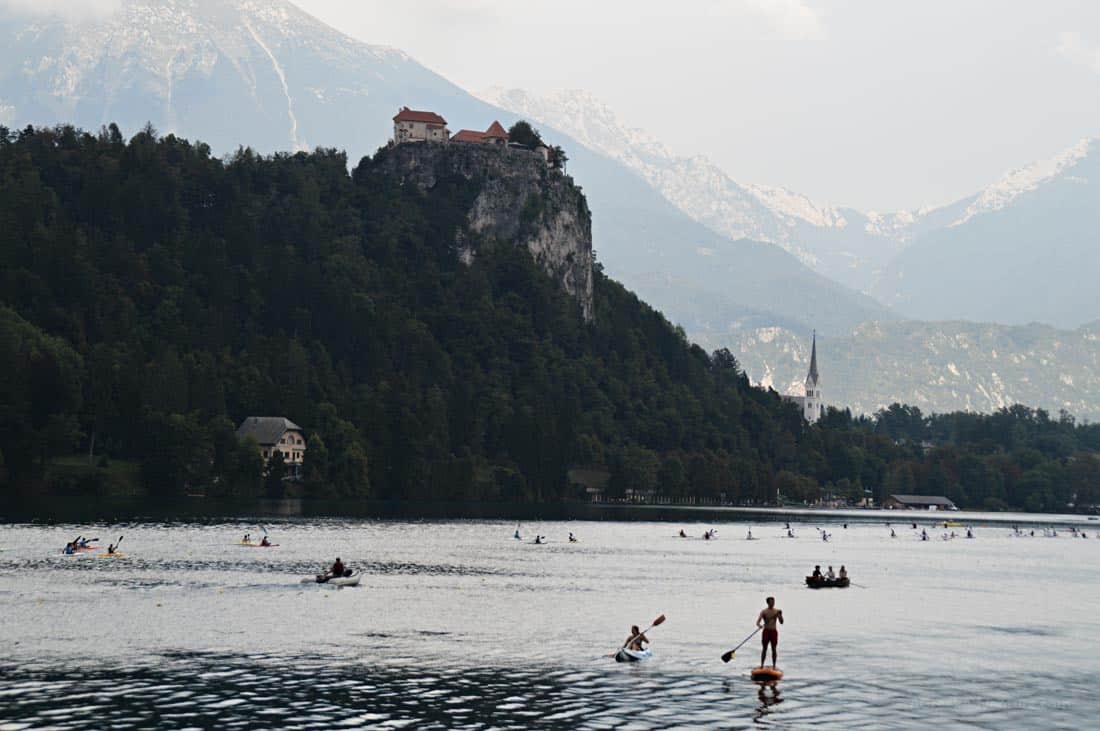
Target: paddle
x,y
726,657
117,543
657,622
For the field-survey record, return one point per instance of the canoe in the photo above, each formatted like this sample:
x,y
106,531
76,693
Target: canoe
x,y
823,583
766,674
352,580
625,655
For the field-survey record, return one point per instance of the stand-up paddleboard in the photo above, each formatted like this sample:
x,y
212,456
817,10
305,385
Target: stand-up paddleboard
x,y
766,674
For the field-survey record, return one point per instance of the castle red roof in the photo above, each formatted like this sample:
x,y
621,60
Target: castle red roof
x,y
495,130
412,115
468,135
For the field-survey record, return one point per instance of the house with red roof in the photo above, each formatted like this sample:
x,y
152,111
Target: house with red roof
x,y
495,135
411,125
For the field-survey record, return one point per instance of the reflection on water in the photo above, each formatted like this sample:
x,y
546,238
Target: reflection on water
x,y
456,625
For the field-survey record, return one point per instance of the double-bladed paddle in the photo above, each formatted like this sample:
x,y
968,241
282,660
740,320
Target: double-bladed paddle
x,y
726,657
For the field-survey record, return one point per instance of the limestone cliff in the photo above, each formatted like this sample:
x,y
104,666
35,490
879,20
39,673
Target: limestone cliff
x,y
519,201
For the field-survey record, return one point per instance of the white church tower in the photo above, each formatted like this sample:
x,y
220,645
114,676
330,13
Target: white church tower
x,y
810,404
812,408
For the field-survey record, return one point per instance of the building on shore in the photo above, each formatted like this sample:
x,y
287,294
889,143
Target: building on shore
x,y
277,434
918,502
810,404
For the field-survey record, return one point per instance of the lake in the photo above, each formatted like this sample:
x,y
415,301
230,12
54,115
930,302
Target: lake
x,y
459,625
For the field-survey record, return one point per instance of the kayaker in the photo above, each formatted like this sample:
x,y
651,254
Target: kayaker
x,y
247,538
337,569
749,536
923,535
767,619
69,549
790,533
637,640
843,572
830,575
517,537
111,549
572,538
817,572
264,541
893,534
682,534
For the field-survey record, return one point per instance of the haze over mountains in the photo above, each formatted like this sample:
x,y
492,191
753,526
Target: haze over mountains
x,y
979,258
726,259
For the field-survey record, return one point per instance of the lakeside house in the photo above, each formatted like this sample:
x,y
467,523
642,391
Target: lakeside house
x,y
276,434
918,502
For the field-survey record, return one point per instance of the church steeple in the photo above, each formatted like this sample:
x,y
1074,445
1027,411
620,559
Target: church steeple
x,y
811,377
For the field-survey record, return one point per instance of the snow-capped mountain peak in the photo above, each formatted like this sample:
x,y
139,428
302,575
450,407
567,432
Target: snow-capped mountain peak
x,y
1022,180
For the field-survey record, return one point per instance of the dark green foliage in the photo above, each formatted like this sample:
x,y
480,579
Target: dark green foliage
x,y
524,134
151,297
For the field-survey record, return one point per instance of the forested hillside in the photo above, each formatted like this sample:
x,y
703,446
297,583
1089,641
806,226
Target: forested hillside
x,y
152,296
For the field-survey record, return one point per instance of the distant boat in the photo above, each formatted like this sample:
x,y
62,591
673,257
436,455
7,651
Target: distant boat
x,y
820,582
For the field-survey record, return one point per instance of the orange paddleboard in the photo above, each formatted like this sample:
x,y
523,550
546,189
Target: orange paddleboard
x,y
766,674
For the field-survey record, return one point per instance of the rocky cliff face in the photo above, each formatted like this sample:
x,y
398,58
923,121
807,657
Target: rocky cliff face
x,y
520,201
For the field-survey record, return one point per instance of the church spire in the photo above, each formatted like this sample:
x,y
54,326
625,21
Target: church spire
x,y
811,378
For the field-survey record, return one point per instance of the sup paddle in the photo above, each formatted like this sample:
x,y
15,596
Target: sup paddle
x,y
656,623
726,657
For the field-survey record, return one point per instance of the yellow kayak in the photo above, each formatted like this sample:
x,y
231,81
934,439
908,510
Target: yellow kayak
x,y
116,554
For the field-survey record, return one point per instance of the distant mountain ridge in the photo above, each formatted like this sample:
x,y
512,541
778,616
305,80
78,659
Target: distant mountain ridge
x,y
267,75
893,256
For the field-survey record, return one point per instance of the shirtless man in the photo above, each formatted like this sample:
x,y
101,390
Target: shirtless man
x,y
767,620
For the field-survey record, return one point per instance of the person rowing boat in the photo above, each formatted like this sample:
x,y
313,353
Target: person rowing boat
x,y
338,569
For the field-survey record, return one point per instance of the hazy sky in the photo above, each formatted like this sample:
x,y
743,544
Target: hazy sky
x,y
869,103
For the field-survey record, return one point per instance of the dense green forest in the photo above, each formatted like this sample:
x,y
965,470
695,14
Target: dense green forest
x,y
152,296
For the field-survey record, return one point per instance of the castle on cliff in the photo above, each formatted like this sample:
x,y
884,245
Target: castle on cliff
x,y
411,125
810,405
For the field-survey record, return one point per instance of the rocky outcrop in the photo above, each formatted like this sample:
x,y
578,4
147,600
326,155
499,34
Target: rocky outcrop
x,y
519,201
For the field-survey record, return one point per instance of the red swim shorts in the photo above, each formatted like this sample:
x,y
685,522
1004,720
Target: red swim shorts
x,y
770,637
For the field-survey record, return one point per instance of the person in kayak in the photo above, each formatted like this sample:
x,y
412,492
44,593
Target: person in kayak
x,y
682,534
264,541
336,570
637,640
767,619
247,538
111,548
70,548
572,538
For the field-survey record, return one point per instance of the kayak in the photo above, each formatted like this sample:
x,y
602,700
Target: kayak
x,y
820,582
352,580
242,544
765,674
625,655
116,554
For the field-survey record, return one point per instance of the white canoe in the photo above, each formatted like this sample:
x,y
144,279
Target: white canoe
x,y
625,655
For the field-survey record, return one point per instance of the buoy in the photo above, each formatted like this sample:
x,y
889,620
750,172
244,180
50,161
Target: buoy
x,y
766,674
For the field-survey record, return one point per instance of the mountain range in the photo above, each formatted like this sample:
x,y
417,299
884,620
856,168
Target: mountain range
x,y
993,256
729,261
266,74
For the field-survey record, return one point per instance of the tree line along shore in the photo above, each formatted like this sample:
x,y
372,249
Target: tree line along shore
x,y
152,296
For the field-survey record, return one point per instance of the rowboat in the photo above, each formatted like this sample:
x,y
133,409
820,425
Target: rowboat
x,y
820,582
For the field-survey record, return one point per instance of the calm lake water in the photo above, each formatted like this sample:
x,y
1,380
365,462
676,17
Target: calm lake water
x,y
459,625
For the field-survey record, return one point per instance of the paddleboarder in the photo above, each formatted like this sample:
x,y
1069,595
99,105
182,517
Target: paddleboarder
x,y
767,619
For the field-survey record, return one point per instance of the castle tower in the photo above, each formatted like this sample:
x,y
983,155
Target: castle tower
x,y
812,408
